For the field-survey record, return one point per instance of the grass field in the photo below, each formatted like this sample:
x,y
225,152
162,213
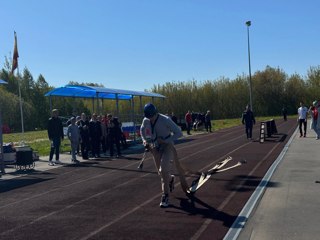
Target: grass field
x,y
38,140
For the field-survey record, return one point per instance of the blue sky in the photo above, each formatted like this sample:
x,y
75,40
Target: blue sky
x,y
134,44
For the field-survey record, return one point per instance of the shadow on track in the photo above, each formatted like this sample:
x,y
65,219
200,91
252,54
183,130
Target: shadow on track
x,y
189,205
12,184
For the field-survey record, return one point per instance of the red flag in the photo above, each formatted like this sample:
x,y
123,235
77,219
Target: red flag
x,y
15,54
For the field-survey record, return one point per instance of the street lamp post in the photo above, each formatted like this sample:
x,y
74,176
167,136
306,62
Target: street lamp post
x,y
248,23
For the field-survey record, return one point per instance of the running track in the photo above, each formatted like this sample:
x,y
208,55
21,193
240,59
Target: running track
x,y
104,199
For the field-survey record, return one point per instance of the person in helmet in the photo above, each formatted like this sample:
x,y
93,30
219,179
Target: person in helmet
x,y
160,131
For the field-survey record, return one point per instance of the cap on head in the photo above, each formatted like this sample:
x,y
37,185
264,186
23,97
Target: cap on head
x,y
149,110
315,103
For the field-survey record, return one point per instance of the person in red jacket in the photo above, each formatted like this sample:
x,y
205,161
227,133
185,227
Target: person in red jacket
x,y
188,118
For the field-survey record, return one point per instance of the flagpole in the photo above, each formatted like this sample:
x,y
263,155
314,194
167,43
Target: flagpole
x,y
1,146
15,65
2,167
21,111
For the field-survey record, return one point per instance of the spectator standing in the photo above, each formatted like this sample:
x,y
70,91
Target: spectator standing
x,y
103,121
114,134
248,120
55,134
83,125
315,118
95,135
73,134
302,119
78,118
207,121
123,139
188,119
284,113
174,118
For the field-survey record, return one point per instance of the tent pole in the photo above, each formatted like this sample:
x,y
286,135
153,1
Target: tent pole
x,y
134,122
117,105
92,106
141,110
97,96
1,146
50,103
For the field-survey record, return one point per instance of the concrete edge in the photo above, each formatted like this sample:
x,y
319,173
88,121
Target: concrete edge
x,y
246,211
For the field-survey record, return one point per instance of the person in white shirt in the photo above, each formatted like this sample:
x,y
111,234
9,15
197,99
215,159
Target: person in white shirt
x,y
302,119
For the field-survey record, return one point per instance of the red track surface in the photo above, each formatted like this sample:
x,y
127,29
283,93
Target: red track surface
x,y
114,200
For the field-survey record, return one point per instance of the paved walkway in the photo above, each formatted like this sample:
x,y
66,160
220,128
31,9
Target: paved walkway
x,y
290,206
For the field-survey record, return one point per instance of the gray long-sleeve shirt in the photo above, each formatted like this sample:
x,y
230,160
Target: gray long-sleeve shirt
x,y
163,128
73,133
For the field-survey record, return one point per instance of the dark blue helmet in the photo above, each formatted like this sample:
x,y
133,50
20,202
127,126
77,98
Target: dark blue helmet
x,y
149,110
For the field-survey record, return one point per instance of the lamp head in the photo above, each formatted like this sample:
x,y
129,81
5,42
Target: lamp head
x,y
248,23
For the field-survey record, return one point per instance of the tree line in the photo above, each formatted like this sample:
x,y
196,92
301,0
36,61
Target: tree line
x,y
272,89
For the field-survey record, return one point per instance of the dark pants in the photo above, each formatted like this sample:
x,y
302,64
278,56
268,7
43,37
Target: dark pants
x,y
85,147
95,147
104,144
208,126
249,131
55,148
188,125
114,140
304,123
285,117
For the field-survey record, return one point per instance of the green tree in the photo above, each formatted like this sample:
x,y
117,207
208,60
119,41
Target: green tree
x,y
268,91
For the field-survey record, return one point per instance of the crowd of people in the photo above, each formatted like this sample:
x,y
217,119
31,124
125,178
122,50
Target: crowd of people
x,y
89,137
198,121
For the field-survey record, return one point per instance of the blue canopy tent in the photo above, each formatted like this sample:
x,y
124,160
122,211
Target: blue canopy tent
x,y
96,93
101,93
1,139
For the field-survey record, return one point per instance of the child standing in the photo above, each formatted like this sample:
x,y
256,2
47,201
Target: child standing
x,y
73,134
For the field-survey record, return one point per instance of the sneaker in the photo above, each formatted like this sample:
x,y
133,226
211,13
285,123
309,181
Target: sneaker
x,y
171,183
164,201
57,162
76,161
51,163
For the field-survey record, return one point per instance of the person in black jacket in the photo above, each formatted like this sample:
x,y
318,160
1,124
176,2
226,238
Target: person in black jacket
x,y
207,121
95,134
114,134
55,134
249,120
83,125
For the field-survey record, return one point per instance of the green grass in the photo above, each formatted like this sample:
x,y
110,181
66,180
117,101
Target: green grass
x,y
38,140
